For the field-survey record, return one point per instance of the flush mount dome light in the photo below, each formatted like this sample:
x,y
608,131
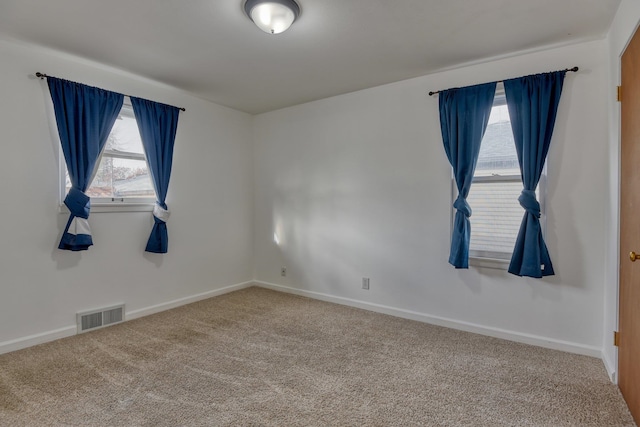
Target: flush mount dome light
x,y
272,16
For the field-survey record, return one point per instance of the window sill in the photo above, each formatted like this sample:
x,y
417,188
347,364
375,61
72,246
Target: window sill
x,y
495,263
113,207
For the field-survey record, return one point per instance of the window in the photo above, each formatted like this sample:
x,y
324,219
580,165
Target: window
x,y
122,177
493,197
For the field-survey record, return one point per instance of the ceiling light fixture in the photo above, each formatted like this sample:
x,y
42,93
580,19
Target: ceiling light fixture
x,y
272,16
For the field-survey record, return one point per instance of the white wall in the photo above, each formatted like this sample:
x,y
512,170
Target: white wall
x,y
210,196
359,185
622,29
355,185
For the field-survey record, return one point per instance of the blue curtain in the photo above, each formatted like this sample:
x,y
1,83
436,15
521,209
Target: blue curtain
x,y
157,124
533,104
464,114
85,116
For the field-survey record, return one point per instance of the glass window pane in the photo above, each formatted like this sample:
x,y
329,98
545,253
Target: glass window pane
x,y
118,177
497,214
496,217
498,151
121,178
125,136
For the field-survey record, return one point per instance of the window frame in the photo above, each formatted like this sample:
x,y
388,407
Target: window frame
x,y
490,259
108,204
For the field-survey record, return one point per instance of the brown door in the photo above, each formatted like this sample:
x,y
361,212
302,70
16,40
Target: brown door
x,y
629,309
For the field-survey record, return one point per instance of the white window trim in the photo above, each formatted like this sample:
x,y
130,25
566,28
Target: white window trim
x,y
102,208
105,204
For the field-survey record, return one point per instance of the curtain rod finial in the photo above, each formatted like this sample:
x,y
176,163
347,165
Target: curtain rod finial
x,y
39,74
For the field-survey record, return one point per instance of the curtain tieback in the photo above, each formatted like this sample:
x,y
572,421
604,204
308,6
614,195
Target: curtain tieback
x,y
78,203
461,205
528,201
161,214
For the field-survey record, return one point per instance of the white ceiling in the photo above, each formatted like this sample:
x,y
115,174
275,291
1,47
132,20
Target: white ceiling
x,y
210,47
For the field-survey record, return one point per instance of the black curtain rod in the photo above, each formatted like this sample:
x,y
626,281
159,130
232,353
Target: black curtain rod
x,y
44,76
574,69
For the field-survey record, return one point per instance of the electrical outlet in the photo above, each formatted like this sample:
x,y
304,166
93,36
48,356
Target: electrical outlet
x,y
365,283
283,271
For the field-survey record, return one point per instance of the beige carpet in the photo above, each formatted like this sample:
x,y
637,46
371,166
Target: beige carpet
x,y
263,358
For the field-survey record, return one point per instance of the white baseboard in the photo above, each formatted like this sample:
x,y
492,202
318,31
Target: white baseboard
x,y
40,338
35,339
610,366
442,321
134,314
43,337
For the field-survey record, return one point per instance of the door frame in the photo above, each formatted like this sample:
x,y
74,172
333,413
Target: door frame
x,y
611,363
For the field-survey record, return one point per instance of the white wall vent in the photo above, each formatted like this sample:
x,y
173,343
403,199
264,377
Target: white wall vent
x,y
94,319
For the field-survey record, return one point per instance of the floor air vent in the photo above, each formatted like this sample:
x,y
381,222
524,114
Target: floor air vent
x,y
100,318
